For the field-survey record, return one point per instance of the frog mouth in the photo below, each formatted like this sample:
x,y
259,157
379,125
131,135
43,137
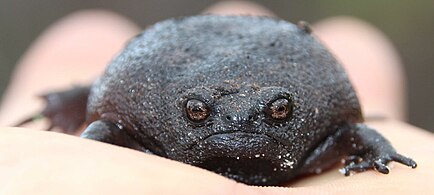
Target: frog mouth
x,y
246,157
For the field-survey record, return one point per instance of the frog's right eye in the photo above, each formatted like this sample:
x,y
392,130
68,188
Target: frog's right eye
x,y
197,111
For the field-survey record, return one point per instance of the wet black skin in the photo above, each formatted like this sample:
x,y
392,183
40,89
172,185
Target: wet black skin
x,y
255,99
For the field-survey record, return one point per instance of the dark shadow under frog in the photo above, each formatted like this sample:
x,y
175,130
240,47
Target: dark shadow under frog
x,y
255,99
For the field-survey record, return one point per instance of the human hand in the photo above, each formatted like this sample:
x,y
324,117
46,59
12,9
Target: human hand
x,y
47,162
40,162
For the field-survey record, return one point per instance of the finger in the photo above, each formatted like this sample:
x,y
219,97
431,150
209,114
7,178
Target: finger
x,y
238,8
62,164
57,164
74,50
372,62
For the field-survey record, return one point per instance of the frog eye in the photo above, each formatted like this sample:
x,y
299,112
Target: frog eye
x,y
280,109
197,110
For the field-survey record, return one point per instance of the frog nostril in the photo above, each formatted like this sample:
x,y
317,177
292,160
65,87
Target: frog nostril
x,y
238,119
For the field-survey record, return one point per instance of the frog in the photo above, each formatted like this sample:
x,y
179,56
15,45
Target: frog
x,y
256,99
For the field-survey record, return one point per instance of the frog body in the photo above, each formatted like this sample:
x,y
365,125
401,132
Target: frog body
x,y
255,99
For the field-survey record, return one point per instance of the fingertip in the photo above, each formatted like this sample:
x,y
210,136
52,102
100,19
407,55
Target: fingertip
x,y
372,62
85,40
238,8
73,50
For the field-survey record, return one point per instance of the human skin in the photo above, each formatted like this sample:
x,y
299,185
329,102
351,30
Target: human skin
x,y
51,163
34,161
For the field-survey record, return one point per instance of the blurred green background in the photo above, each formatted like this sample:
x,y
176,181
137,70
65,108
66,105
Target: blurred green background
x,y
409,24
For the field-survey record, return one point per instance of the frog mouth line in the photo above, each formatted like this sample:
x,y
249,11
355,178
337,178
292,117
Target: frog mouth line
x,y
247,157
243,133
235,132
240,145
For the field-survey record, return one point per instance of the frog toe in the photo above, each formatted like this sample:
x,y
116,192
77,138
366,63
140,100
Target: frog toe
x,y
357,164
356,167
381,162
354,163
381,165
404,160
352,159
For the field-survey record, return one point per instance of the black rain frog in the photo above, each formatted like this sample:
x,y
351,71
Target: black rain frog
x,y
255,99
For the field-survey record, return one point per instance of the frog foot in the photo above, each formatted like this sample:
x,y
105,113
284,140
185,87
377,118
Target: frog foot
x,y
64,109
356,163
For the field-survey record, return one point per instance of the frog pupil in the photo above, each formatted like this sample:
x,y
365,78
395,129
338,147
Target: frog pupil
x,y
280,109
197,110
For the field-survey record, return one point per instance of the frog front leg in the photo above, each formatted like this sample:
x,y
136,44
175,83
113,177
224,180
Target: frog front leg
x,y
362,148
108,132
64,109
370,150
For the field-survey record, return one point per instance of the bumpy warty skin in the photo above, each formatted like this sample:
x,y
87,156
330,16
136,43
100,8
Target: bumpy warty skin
x,y
237,65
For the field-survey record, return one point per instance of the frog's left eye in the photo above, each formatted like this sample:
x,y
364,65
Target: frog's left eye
x,y
197,111
280,109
